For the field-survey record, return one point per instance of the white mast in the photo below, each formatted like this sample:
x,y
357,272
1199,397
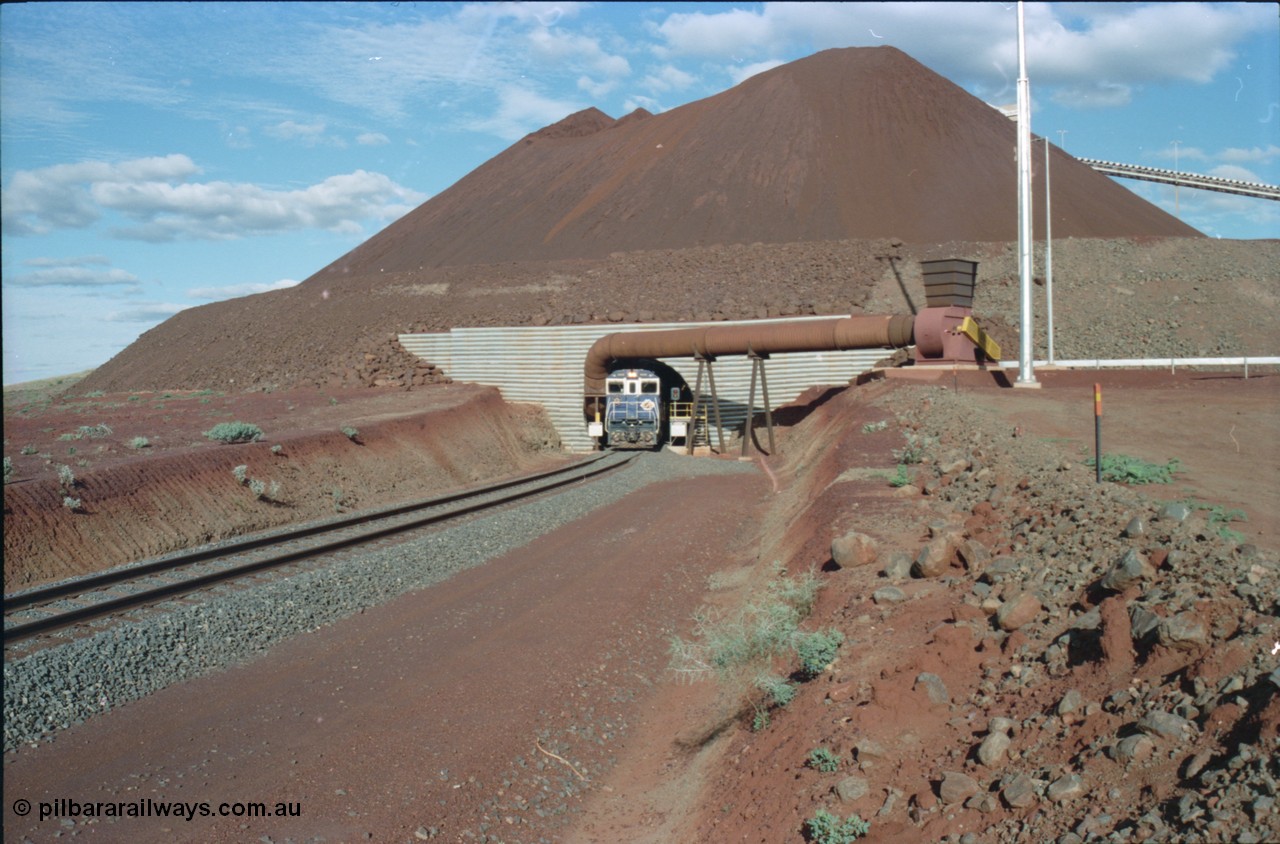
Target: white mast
x,y
1026,377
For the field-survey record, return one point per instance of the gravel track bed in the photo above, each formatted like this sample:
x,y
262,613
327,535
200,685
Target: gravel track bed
x,y
63,685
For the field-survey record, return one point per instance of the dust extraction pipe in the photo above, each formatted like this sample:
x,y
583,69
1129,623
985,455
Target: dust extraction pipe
x,y
859,332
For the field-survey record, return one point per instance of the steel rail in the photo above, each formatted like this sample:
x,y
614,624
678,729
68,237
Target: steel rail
x,y
71,617
13,603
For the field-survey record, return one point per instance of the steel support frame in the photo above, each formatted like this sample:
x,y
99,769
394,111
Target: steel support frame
x,y
704,361
757,365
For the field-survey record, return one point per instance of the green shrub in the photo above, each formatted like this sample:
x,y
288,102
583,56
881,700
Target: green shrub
x,y
1123,469
29,449
873,427
241,473
900,479
816,650
778,691
140,442
823,759
70,503
350,433
917,445
765,628
95,432
8,469
277,449
826,828
234,432
66,477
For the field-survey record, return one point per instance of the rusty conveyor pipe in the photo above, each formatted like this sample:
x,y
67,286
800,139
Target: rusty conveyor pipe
x,y
837,334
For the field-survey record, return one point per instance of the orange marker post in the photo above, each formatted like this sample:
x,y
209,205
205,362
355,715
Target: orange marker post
x,y
1097,432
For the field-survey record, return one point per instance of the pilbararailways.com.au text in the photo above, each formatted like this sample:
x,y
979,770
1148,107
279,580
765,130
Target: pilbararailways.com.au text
x,y
145,807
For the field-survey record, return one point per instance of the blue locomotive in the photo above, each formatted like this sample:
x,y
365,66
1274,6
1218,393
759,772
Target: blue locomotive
x,y
633,410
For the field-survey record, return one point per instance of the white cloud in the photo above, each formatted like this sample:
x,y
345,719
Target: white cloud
x,y
153,194
521,111
38,201
306,133
565,48
67,262
72,276
1181,154
1098,51
636,101
721,34
1233,171
669,78
1097,95
146,313
595,89
231,291
372,139
740,74
1265,154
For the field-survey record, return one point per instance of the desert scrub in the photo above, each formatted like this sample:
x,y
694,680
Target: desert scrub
x,y
900,478
763,629
94,432
72,504
140,442
241,474
66,477
826,828
823,759
29,449
234,432
277,449
873,427
914,451
816,650
8,469
1123,469
350,433
1219,518
778,691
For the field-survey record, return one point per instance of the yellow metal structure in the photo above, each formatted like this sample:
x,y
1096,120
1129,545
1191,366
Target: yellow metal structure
x,y
980,338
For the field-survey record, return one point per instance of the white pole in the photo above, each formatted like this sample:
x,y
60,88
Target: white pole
x,y
1026,375
1048,253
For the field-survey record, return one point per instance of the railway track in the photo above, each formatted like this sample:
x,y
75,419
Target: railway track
x,y
69,604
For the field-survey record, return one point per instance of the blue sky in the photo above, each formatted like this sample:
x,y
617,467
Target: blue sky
x,y
158,156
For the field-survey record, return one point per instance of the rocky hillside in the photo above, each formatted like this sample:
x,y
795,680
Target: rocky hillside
x,y
1027,655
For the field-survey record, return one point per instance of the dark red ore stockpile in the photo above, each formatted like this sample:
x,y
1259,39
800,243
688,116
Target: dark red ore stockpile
x,y
811,172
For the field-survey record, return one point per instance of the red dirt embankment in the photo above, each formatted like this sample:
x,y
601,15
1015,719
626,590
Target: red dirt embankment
x,y
138,504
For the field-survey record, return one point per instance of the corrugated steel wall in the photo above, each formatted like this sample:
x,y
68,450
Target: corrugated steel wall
x,y
543,365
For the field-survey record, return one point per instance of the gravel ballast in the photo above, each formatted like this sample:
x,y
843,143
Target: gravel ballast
x,y
59,686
